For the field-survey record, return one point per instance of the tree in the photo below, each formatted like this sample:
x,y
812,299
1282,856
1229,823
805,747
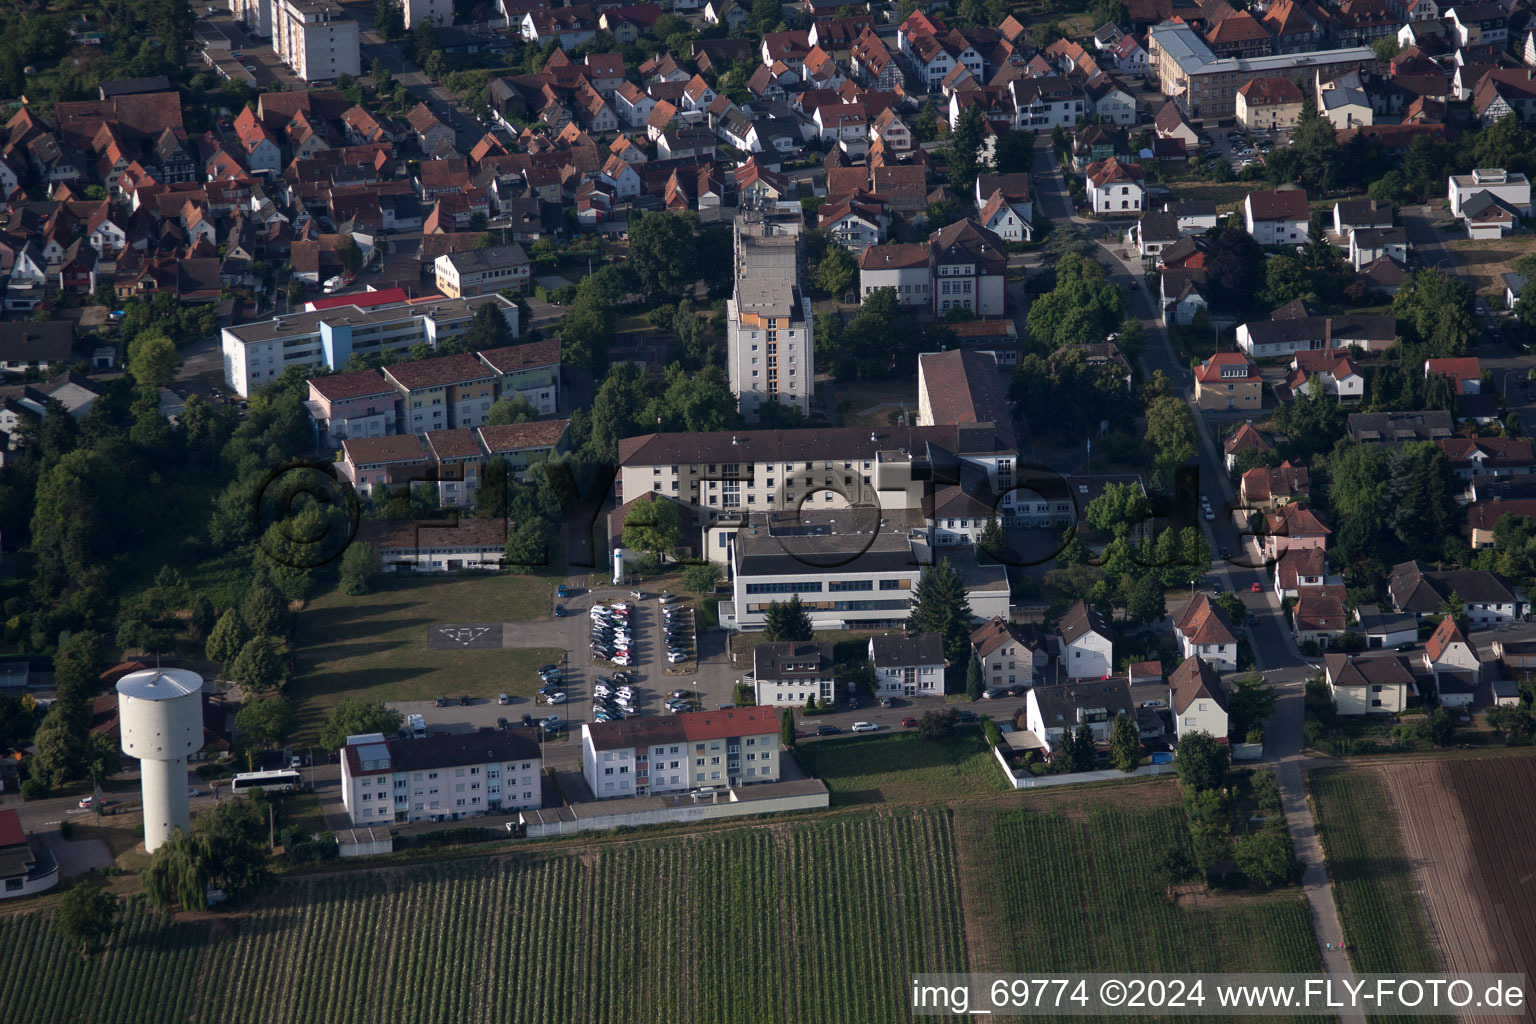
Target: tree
x,y
488,329
835,272
702,577
1249,703
265,722
152,360
59,744
1124,744
354,715
360,569
652,525
77,667
1077,749
103,757
975,683
764,15
1315,148
1171,433
228,638
787,620
939,606
259,665
1118,508
1267,857
992,542
1144,602
1210,825
787,729
662,253
507,411
85,915
1014,152
938,725
263,609
350,254
1386,48
1201,761
1234,271
1442,727
1438,310
388,22
962,156
178,873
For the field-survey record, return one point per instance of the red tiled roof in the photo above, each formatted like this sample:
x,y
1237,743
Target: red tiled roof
x,y
690,726
1202,622
1285,204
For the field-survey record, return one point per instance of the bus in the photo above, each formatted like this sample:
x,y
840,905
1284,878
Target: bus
x,y
275,781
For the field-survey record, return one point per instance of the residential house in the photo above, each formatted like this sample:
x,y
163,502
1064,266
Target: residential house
x,y
1319,616
1181,294
1385,629
854,223
1268,104
1294,329
1267,488
1487,456
377,463
428,130
1010,653
1198,699
1368,244
1204,631
902,267
1292,527
1085,645
520,445
1227,380
1484,516
443,392
1300,570
1276,218
1350,215
1115,188
910,665
1454,663
529,371
1369,686
483,272
794,672
1244,438
27,866
969,269
1331,369
677,753
1170,123
1055,712
1464,372
1486,599
1511,188
1398,428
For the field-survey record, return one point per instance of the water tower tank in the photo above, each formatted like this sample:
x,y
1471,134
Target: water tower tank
x,y
160,714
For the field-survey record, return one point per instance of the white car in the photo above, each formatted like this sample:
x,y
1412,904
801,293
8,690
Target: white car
x,y
865,727
673,657
620,659
555,698
1209,515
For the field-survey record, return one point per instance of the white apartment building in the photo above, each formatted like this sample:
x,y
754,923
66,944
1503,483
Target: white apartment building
x,y
1052,711
1011,653
908,665
462,275
791,673
315,38
256,353
255,15
771,341
438,12
678,753
853,569
1513,188
439,778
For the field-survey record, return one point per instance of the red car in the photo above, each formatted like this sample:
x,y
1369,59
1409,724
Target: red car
x,y
909,723
1256,588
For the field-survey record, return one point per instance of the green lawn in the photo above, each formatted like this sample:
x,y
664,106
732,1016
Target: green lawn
x,y
899,767
375,646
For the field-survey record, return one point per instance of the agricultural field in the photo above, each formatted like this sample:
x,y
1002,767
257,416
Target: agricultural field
x,y
900,767
1385,927
1060,885
787,922
374,646
1469,832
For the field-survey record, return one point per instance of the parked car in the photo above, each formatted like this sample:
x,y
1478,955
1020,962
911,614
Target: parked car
x,y
865,727
828,730
886,702
440,702
1018,691
501,723
557,697
551,722
967,716
853,702
909,722
528,721
559,611
673,657
1257,588
548,668
561,591
994,693
681,694
503,698
1409,646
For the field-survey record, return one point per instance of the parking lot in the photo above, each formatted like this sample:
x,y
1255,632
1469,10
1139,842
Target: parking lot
x,y
709,675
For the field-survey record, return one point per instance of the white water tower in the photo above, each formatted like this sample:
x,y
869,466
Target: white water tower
x,y
160,713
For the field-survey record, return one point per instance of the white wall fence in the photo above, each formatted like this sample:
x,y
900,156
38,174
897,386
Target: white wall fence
x,y
1028,781
638,812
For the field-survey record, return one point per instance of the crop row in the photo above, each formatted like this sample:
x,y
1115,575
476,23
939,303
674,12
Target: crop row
x,y
819,921
1084,893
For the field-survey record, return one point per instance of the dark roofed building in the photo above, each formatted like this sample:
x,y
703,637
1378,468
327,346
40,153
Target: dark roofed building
x,y
1487,600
